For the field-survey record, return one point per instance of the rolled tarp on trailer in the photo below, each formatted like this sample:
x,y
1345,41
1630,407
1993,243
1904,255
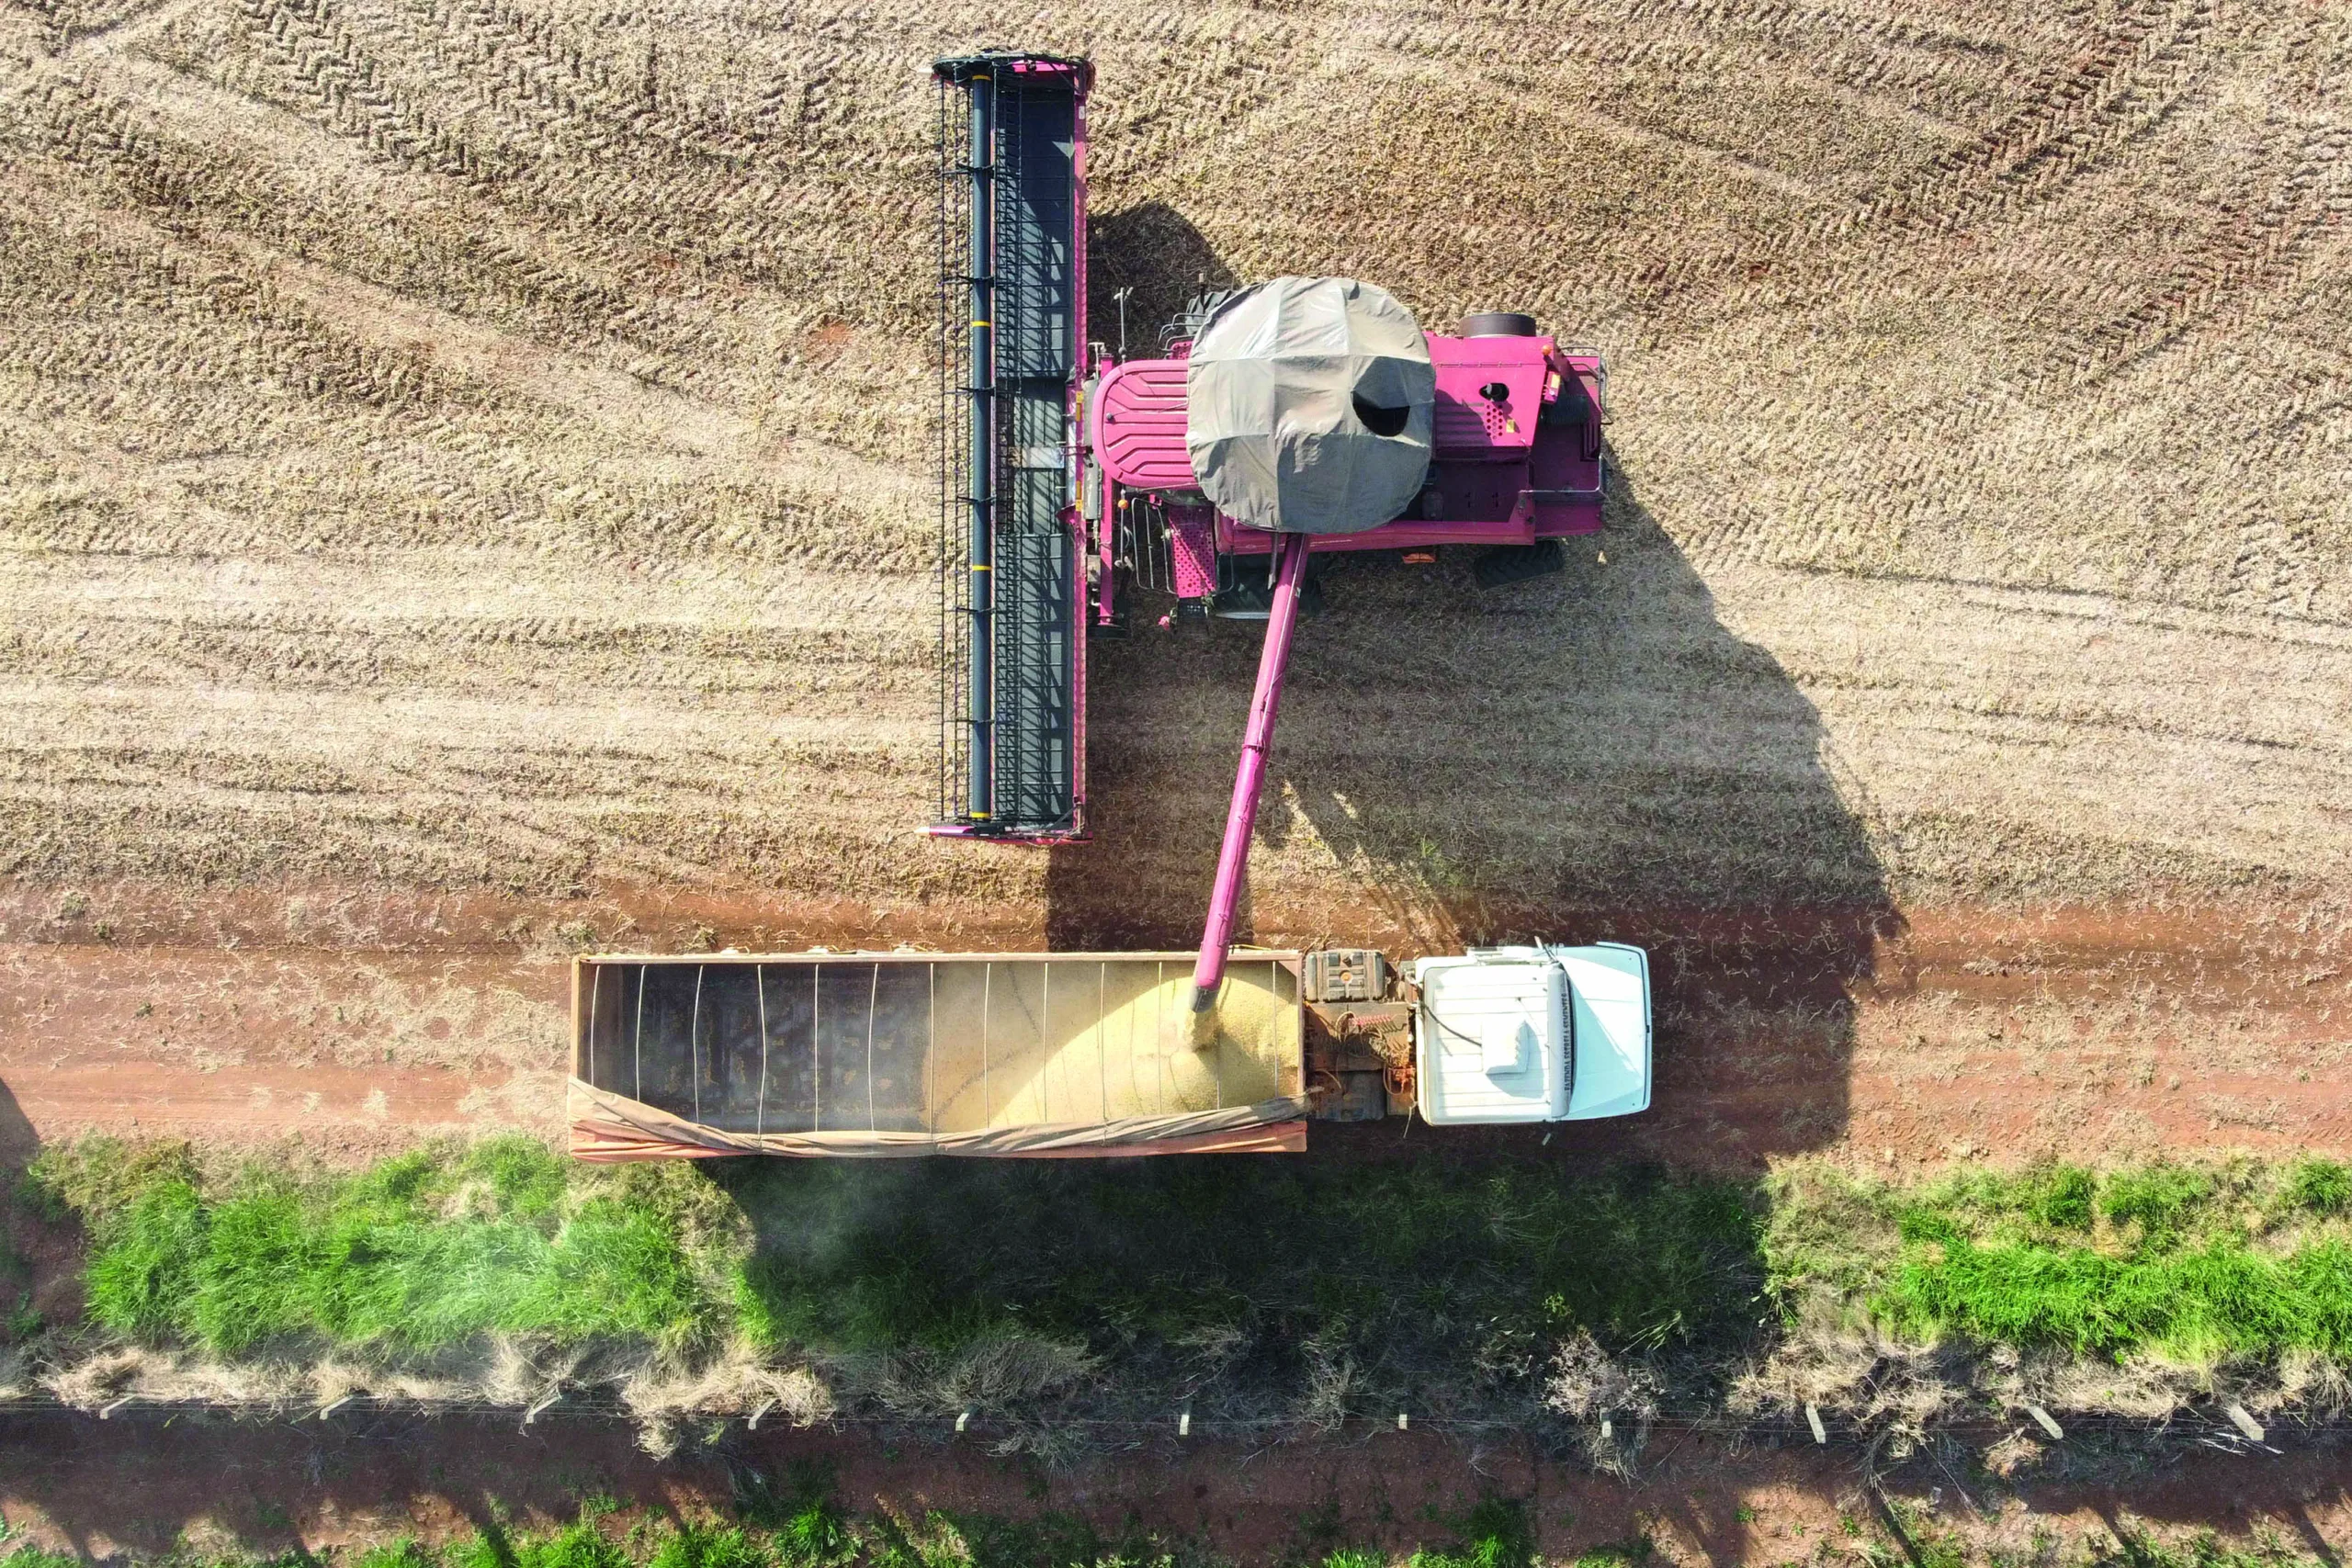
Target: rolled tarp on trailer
x,y
877,1054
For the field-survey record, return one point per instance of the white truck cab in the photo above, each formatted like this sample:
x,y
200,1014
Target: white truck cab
x,y
1541,1033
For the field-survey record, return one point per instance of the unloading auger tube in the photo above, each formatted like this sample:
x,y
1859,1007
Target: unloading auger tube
x,y
1307,411
1233,856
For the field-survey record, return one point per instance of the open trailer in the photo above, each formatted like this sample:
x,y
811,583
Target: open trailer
x,y
911,1053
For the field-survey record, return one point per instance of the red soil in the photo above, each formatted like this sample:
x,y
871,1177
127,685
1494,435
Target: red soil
x,y
357,1021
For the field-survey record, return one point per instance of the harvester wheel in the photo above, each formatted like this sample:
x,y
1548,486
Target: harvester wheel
x,y
1498,324
1244,594
1253,601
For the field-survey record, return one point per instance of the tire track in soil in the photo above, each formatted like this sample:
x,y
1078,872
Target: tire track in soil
x,y
2123,85
558,129
2263,241
2262,237
622,407
113,106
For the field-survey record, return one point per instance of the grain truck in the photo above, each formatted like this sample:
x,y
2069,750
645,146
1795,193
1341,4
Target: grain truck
x,y
1088,1053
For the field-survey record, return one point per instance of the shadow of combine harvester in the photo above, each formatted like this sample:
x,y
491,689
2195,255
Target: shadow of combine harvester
x,y
1589,754
1148,262
19,1141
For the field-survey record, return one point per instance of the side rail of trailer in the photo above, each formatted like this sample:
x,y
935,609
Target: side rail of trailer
x,y
699,1055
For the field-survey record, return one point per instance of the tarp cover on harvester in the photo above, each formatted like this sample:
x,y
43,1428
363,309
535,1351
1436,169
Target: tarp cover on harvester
x,y
1285,386
917,1054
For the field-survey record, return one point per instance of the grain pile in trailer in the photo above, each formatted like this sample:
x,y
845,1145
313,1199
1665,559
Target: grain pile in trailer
x,y
913,1054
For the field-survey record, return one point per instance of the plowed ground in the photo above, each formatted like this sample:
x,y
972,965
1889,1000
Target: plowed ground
x,y
465,497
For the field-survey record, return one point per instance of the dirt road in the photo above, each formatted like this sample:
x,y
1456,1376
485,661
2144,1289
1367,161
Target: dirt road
x,y
1944,1033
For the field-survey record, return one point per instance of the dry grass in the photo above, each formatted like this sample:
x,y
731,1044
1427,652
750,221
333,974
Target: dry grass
x,y
482,448
1612,1400
1892,1388
660,1395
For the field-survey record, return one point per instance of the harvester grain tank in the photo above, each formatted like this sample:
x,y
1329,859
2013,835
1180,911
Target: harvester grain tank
x,y
1300,416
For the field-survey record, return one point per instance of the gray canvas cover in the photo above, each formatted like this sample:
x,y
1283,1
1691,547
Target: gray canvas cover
x,y
1307,406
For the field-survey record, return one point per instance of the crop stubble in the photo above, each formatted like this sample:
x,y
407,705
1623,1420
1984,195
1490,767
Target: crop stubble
x,y
482,450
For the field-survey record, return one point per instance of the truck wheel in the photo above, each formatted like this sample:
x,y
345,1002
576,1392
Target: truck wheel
x,y
1498,324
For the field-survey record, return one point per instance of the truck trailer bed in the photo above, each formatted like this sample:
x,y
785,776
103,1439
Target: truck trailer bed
x,y
700,1054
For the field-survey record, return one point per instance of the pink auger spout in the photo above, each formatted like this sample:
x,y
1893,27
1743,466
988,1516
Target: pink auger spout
x,y
1233,859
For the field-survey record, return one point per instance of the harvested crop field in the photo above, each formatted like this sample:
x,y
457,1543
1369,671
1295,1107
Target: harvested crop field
x,y
466,499
465,482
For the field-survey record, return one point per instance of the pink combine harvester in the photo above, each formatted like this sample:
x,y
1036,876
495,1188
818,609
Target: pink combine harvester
x,y
1491,437
1295,417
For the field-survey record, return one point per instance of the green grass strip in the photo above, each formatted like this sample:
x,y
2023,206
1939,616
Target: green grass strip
x,y
1420,1252
421,1252
1416,1267
2194,1263
2219,1299
1416,1260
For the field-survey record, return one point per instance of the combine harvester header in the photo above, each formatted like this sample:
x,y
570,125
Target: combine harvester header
x,y
1012,236
1303,415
